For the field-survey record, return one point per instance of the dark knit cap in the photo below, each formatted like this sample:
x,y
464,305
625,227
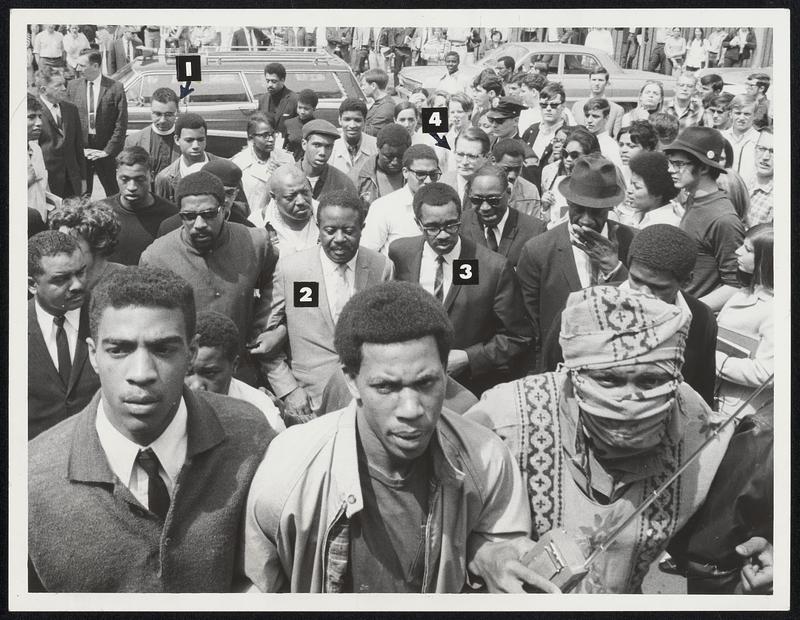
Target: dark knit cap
x,y
225,170
198,184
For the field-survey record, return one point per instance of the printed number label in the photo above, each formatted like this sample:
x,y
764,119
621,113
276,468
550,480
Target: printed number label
x,y
434,120
306,294
465,271
188,68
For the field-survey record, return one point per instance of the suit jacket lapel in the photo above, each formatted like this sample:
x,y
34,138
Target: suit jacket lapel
x,y
315,274
473,227
467,251
361,274
567,259
103,88
37,348
48,117
416,261
509,231
81,349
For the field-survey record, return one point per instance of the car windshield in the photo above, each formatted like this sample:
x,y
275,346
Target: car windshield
x,y
324,83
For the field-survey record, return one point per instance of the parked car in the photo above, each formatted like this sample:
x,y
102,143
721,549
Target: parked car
x,y
230,86
569,64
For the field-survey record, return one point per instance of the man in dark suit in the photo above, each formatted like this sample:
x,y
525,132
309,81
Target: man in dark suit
x,y
250,39
492,334
660,261
149,471
491,222
103,109
278,99
589,249
61,139
60,379
126,48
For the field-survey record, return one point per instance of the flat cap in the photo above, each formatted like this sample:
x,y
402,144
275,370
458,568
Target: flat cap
x,y
320,126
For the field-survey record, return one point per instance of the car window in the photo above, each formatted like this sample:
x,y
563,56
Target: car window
x,y
153,81
219,87
550,59
324,83
507,49
580,64
132,92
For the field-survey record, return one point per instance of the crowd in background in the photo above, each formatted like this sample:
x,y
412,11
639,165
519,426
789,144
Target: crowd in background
x,y
277,261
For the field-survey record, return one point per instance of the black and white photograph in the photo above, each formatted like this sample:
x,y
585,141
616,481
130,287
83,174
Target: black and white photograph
x,y
390,303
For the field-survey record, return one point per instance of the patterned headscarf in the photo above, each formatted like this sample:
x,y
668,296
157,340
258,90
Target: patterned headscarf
x,y
605,326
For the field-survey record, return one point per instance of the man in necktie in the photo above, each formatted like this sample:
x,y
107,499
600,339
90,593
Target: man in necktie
x,y
149,470
60,380
491,220
476,286
341,267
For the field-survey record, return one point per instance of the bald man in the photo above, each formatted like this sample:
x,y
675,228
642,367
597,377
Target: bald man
x,y
289,214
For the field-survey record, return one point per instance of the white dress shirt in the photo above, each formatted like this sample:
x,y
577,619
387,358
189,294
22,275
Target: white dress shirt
x,y
427,269
453,82
257,398
54,108
96,88
121,452
71,322
584,265
256,174
389,217
289,240
498,230
333,281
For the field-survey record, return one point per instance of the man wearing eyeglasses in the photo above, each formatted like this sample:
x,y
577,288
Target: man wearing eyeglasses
x,y
492,334
490,220
231,267
392,216
760,184
157,138
471,149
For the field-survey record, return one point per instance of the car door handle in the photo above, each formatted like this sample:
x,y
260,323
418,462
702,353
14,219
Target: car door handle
x,y
246,111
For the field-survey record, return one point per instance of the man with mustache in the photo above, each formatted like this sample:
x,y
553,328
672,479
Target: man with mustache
x,y
372,501
231,267
143,490
60,381
341,267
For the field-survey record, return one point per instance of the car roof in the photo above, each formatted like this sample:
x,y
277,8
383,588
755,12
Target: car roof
x,y
292,60
556,47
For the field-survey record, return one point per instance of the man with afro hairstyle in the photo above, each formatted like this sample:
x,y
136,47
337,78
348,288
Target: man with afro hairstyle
x,y
393,493
661,260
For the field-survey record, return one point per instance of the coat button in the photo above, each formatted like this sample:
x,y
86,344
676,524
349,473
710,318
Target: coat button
x,y
351,499
217,294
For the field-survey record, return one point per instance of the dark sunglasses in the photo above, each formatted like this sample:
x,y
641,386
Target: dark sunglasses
x,y
206,215
492,201
571,154
553,105
421,174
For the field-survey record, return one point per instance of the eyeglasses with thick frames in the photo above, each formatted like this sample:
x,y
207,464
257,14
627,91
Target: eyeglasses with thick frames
x,y
421,174
206,215
553,105
264,134
435,231
492,201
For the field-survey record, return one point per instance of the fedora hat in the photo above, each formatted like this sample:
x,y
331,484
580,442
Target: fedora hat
x,y
594,183
704,143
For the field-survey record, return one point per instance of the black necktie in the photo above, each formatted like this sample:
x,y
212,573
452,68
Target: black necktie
x,y
57,111
91,105
157,494
438,283
62,348
491,238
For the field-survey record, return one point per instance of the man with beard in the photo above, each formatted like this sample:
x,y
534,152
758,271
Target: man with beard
x,y
586,250
157,138
318,138
383,174
60,380
231,268
353,147
342,268
140,212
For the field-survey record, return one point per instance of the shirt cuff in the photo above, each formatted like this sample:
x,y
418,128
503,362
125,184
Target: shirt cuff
x,y
605,277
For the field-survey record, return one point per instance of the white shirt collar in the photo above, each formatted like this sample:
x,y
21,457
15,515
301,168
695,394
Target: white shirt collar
x,y
329,267
72,318
121,452
502,223
429,254
187,170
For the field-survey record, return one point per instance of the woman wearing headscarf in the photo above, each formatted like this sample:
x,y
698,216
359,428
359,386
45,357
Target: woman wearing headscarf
x,y
596,437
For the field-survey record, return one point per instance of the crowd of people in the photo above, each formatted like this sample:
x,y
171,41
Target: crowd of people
x,y
351,359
